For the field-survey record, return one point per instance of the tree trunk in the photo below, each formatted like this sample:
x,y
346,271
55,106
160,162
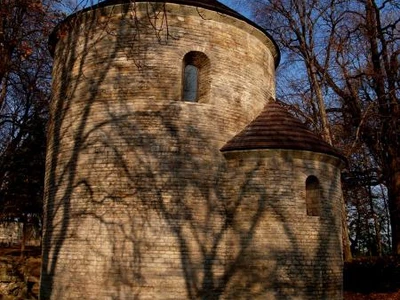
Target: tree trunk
x,y
394,204
377,227
23,238
347,255
388,148
387,214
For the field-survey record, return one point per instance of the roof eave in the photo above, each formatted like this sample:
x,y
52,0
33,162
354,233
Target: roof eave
x,y
217,7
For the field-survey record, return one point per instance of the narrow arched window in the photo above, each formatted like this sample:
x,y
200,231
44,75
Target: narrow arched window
x,y
190,83
313,196
196,77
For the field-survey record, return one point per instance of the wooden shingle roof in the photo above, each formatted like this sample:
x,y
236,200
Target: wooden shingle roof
x,y
276,128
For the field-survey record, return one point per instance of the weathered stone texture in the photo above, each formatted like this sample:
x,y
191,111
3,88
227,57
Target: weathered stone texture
x,y
140,203
287,253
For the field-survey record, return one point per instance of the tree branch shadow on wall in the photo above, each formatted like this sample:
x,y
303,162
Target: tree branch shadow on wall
x,y
130,192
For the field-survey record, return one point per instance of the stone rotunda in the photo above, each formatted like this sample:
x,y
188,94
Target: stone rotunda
x,y
172,172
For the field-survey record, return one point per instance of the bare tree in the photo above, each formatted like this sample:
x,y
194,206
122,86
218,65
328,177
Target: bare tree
x,y
25,70
301,28
350,51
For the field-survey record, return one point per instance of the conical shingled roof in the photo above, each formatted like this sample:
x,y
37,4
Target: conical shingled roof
x,y
276,128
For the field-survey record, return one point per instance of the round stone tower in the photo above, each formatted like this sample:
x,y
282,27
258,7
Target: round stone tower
x,y
140,203
288,182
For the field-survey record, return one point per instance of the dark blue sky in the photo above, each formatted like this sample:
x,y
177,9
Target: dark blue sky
x,y
240,8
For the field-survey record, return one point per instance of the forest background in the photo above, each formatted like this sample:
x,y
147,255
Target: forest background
x,y
339,73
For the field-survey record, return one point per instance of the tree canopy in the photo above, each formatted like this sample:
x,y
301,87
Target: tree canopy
x,y
340,73
25,73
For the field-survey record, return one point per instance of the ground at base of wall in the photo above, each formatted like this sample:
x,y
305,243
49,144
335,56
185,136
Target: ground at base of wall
x,y
372,278
19,277
371,296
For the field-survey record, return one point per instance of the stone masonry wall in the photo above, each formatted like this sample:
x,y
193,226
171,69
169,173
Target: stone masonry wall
x,y
133,203
285,253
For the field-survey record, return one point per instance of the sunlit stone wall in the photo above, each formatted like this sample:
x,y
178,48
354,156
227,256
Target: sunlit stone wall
x,y
139,201
133,208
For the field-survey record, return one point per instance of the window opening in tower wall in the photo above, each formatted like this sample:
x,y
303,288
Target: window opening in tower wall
x,y
190,83
313,196
196,77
